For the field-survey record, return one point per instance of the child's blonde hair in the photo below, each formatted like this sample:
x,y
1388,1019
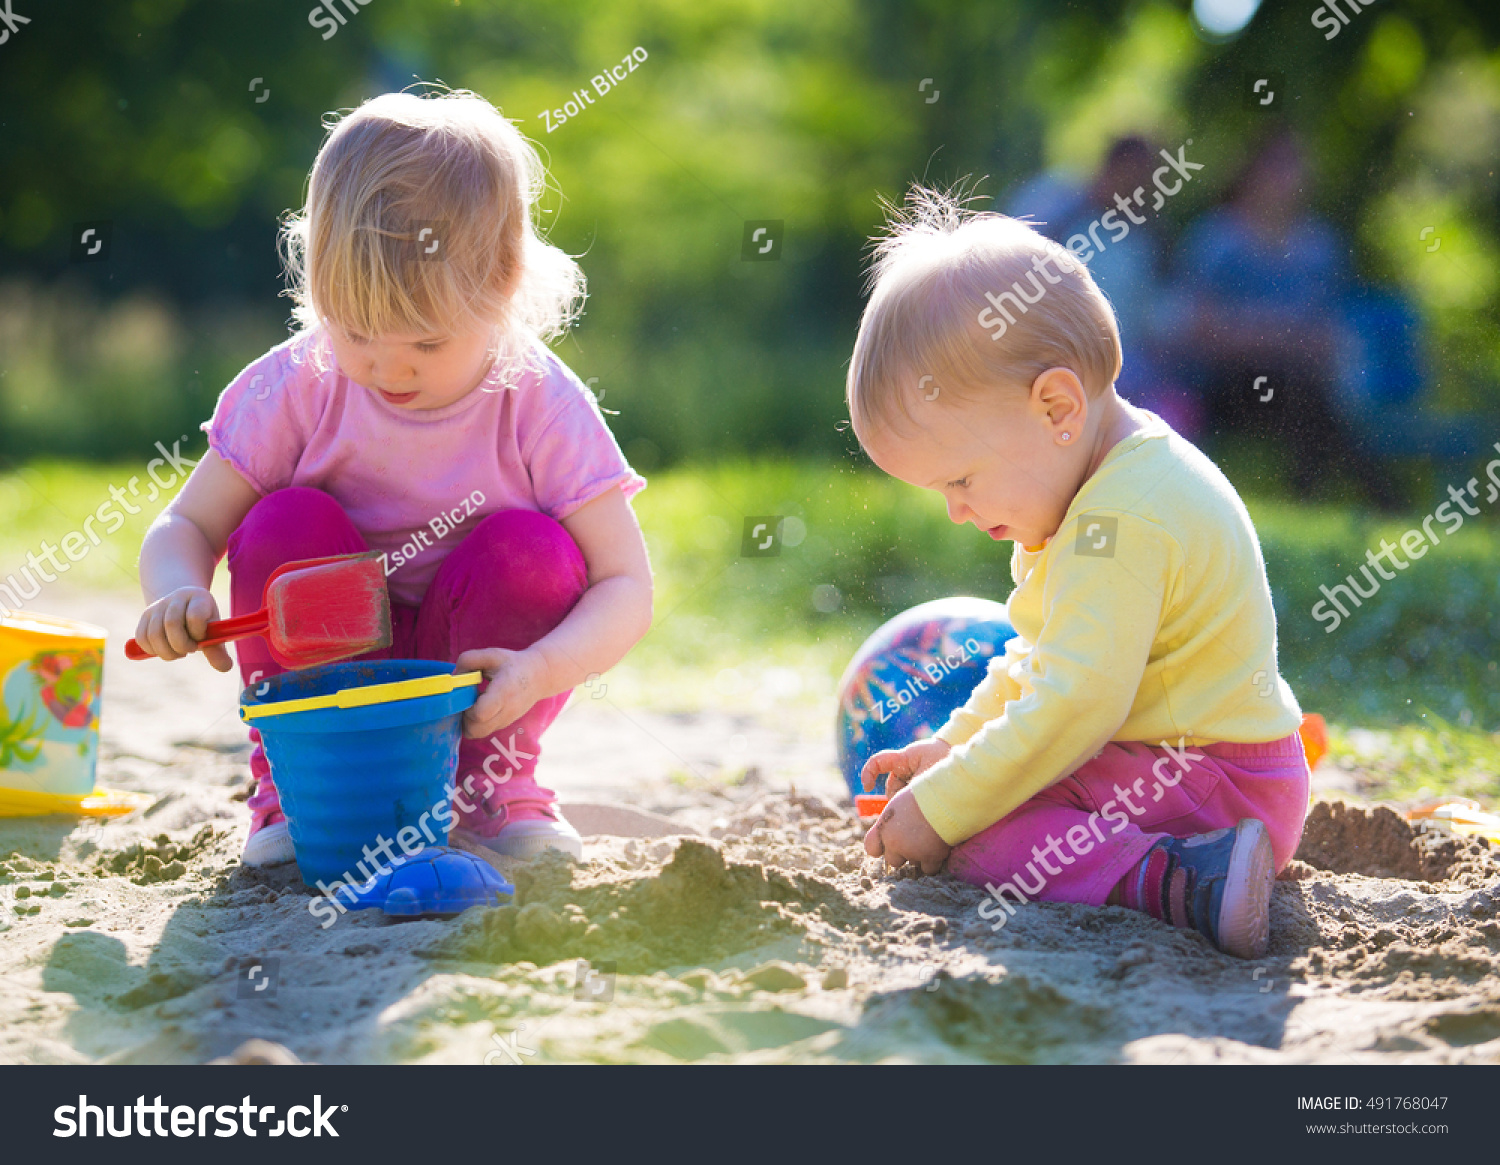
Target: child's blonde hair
x,y
401,173
957,308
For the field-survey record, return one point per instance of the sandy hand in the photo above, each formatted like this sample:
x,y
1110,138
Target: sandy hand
x,y
902,834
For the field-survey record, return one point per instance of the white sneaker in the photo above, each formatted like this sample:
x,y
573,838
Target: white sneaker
x,y
270,845
529,838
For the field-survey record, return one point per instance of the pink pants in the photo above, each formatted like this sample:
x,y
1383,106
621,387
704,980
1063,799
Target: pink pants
x,y
1075,839
510,582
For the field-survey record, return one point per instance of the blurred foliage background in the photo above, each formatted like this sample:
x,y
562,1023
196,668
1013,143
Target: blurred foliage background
x,y
146,114
190,126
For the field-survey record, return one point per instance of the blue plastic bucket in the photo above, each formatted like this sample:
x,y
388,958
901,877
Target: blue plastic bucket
x,y
349,777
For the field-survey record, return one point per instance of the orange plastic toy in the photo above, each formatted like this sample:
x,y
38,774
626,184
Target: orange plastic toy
x,y
1314,733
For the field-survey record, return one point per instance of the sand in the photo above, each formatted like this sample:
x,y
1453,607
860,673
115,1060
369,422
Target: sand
x,y
711,920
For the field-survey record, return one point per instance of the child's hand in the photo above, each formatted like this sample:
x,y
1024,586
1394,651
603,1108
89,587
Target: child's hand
x,y
901,834
902,764
171,627
514,686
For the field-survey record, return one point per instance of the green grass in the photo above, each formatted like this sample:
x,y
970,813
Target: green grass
x,y
1417,665
1417,762
44,502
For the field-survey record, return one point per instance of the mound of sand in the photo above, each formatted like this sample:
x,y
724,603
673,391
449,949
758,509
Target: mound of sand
x,y
1379,843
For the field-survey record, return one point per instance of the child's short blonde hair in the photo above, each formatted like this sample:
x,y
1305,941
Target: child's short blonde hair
x,y
961,302
404,172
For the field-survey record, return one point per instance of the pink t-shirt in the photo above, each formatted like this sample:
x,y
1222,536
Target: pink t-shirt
x,y
415,483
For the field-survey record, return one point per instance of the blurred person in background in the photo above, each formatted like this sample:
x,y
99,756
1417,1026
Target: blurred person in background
x,y
1128,268
1265,302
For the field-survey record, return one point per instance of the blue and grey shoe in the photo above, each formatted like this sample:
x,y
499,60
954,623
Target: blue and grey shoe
x,y
1219,884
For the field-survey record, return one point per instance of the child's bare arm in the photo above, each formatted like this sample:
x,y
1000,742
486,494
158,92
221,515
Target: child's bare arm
x,y
178,557
611,616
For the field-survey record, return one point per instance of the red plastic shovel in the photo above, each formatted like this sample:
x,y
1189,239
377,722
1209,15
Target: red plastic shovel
x,y
316,611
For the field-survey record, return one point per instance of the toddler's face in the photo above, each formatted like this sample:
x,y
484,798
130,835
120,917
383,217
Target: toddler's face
x,y
995,460
414,372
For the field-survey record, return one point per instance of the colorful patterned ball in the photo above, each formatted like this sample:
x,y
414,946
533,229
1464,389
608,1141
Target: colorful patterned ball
x,y
911,673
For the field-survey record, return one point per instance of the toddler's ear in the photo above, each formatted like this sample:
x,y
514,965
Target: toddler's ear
x,y
1061,397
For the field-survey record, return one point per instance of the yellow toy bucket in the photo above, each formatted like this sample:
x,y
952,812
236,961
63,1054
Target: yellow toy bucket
x,y
51,670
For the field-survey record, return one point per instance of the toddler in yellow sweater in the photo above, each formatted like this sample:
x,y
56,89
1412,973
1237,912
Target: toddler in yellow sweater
x,y
1135,745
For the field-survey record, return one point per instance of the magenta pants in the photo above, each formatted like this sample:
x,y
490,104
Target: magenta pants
x,y
1078,837
510,582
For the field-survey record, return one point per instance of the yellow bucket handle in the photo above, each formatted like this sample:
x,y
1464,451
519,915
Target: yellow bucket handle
x,y
439,685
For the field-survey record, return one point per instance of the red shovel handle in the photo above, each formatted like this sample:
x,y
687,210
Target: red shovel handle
x,y
217,634
241,626
228,630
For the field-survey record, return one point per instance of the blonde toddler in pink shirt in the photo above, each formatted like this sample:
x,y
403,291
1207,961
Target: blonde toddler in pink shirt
x,y
418,413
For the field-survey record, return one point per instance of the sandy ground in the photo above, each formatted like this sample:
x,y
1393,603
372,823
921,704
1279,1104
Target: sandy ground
x,y
742,922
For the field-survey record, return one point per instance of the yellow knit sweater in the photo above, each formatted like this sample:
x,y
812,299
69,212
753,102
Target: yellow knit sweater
x,y
1146,617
